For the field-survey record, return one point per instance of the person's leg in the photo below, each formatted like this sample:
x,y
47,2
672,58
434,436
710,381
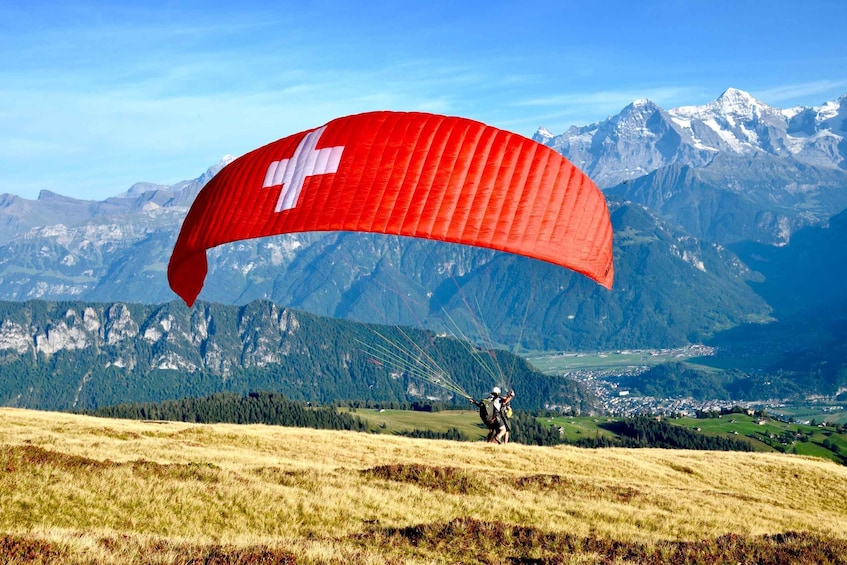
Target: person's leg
x,y
501,433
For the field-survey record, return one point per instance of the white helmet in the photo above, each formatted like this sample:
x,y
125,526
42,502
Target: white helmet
x,y
495,390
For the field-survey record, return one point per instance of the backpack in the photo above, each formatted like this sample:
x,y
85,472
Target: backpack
x,y
486,411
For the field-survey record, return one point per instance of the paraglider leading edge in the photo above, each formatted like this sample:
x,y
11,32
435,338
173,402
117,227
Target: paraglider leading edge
x,y
403,173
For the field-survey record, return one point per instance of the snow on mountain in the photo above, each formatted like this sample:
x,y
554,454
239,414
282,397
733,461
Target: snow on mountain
x,y
731,170
736,117
544,133
643,137
732,105
832,110
640,139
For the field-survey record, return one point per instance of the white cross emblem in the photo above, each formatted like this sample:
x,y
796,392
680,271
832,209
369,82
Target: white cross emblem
x,y
306,161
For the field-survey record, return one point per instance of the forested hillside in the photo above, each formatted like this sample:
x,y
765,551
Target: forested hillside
x,y
75,355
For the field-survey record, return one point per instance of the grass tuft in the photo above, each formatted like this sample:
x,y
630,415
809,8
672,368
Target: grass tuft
x,y
22,456
589,488
29,549
470,540
448,479
200,472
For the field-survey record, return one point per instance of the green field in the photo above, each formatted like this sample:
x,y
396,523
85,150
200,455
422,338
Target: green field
x,y
575,428
769,435
562,362
832,414
399,421
467,421
557,363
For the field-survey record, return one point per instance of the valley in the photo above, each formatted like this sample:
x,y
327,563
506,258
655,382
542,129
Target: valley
x,y
601,372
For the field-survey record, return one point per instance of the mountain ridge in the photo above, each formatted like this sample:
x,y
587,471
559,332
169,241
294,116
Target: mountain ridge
x,y
678,214
735,122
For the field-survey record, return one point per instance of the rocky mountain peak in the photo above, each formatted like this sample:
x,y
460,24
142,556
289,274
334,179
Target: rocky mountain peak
x,y
542,135
729,108
635,115
735,101
640,105
49,195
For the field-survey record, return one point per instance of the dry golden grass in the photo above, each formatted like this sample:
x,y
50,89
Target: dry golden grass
x,y
76,489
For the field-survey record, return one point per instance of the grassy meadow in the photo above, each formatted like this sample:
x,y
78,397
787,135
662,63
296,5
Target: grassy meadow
x,y
390,421
762,434
552,364
77,489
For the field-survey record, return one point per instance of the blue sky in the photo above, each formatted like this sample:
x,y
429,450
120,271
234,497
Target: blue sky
x,y
95,96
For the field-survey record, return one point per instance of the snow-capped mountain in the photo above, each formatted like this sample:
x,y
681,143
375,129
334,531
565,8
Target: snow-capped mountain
x,y
644,138
745,125
735,122
732,170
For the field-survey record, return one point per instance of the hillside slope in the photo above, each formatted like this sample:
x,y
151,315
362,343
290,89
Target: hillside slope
x,y
78,489
75,355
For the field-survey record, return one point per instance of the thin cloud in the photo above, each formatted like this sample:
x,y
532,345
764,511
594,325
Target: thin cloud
x,y
794,91
617,99
582,108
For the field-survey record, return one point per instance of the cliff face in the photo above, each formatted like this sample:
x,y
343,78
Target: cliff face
x,y
69,355
206,338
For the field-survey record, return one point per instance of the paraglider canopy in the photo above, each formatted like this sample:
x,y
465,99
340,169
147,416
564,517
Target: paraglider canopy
x,y
403,173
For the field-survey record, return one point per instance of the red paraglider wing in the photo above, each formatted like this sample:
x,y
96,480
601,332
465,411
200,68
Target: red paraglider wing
x,y
411,174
